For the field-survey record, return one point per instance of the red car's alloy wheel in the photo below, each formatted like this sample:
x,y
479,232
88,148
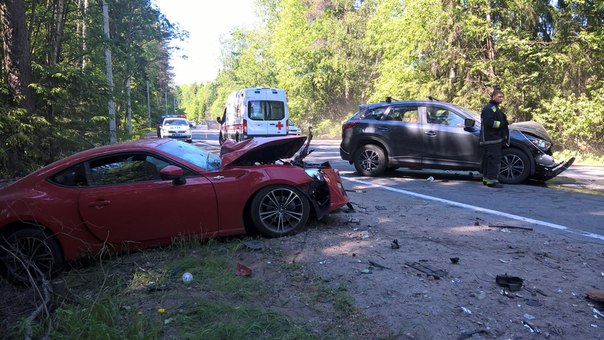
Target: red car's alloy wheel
x,y
28,254
279,210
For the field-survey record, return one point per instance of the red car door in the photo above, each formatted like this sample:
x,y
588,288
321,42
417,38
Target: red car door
x,y
150,210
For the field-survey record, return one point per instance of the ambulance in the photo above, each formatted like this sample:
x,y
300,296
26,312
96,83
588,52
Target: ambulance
x,y
254,112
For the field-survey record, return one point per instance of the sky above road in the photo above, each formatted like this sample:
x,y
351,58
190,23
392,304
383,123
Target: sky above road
x,y
206,21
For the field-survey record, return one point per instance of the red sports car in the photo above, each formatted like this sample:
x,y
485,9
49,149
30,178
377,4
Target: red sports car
x,y
143,193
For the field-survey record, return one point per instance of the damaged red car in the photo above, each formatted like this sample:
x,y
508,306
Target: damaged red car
x,y
144,193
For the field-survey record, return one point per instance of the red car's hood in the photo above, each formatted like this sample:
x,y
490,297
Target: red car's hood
x,y
260,150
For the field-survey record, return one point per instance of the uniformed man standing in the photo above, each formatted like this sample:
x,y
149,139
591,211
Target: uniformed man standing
x,y
493,134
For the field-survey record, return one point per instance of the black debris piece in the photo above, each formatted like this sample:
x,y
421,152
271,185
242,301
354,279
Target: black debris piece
x,y
435,273
254,244
377,265
513,283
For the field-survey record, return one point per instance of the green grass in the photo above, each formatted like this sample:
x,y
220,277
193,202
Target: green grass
x,y
215,320
102,320
581,158
142,296
338,297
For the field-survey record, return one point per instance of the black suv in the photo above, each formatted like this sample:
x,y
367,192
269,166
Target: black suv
x,y
431,134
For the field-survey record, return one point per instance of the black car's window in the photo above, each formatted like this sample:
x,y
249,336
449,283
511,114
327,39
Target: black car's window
x,y
443,116
403,113
74,176
125,168
376,113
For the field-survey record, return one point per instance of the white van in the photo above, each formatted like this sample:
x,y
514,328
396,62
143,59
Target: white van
x,y
254,112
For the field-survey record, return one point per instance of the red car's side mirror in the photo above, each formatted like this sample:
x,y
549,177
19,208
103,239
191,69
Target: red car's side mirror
x,y
174,173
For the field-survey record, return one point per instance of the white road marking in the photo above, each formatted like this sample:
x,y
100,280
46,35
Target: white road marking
x,y
488,211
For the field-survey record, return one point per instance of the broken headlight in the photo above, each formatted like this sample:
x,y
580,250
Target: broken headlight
x,y
542,144
315,174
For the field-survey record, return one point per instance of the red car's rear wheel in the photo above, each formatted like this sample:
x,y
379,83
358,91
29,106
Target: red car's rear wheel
x,y
28,254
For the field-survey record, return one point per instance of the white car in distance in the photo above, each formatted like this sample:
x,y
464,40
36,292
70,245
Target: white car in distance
x,y
177,128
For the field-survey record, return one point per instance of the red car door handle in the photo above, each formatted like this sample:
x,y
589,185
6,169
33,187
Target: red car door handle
x,y
99,204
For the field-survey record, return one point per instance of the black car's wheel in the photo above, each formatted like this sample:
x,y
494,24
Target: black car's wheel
x,y
279,210
515,167
28,253
370,160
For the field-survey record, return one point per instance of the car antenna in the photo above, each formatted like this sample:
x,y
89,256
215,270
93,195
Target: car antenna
x,y
433,99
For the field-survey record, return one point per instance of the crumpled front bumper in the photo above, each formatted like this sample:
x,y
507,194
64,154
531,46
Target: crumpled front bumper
x,y
546,168
337,193
327,195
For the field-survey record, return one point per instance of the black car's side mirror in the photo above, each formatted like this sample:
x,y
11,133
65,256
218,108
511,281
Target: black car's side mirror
x,y
219,120
469,124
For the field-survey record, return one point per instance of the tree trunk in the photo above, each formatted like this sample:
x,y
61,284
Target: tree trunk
x,y
56,35
490,46
129,105
17,59
82,29
110,104
148,104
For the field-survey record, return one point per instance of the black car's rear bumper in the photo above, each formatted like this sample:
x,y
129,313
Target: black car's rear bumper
x,y
345,155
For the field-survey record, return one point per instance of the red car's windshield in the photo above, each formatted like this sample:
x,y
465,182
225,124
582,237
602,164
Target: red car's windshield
x,y
192,154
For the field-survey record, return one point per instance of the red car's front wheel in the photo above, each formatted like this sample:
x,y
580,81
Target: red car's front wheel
x,y
279,211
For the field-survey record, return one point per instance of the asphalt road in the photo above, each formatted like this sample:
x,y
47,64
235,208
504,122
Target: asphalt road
x,y
571,204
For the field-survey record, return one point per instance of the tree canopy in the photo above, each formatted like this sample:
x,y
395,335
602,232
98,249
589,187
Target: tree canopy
x,y
332,55
54,88
329,55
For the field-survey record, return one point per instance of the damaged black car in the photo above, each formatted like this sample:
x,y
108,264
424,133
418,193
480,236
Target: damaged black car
x,y
430,134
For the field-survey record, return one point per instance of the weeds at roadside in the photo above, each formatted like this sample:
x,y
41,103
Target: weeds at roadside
x,y
215,320
581,158
142,296
338,297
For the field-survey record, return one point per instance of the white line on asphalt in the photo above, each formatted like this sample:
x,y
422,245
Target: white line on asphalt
x,y
488,211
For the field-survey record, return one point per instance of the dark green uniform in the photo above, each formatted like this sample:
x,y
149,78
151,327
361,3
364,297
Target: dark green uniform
x,y
494,132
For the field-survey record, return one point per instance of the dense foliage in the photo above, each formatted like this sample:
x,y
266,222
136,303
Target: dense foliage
x,y
329,55
66,47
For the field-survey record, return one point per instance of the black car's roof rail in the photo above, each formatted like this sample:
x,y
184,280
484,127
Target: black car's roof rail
x,y
390,100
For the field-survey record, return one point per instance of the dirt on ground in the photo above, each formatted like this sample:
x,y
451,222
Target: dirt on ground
x,y
420,270
441,281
